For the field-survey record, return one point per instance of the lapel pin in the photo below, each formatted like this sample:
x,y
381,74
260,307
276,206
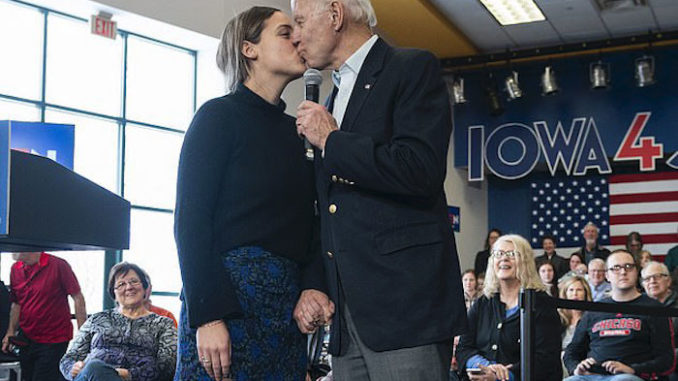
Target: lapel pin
x,y
367,86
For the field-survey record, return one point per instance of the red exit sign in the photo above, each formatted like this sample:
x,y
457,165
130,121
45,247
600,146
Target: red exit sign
x,y
104,26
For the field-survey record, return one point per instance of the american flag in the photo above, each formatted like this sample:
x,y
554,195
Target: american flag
x,y
618,204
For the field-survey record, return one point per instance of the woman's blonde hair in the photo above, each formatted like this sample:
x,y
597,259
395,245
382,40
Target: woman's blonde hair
x,y
246,26
526,271
565,314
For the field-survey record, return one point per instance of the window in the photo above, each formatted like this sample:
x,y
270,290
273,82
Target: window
x,y
84,71
151,160
130,99
21,63
159,84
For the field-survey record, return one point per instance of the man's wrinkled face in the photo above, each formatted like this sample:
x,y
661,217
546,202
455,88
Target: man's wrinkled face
x,y
314,33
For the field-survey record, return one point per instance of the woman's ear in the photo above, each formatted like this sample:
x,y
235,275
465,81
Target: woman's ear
x,y
249,50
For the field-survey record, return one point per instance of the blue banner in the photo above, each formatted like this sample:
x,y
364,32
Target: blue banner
x,y
55,141
577,132
4,177
455,217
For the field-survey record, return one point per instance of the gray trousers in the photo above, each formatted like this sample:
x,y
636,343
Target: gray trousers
x,y
359,363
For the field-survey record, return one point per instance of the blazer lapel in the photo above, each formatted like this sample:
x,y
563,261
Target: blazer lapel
x,y
367,77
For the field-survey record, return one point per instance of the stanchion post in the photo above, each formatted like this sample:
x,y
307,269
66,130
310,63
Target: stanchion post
x,y
527,312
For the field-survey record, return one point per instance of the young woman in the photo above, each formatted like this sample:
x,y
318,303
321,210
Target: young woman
x,y
244,217
547,274
572,288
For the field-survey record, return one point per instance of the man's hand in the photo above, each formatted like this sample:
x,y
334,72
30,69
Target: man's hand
x,y
77,367
616,367
123,373
6,346
584,366
313,309
315,123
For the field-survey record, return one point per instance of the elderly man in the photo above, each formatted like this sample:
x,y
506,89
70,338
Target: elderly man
x,y
380,162
619,346
591,249
657,285
600,287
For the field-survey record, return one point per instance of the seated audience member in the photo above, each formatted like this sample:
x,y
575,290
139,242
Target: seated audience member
x,y
645,258
155,309
480,280
560,264
600,287
470,284
547,276
620,346
484,255
591,249
572,288
126,343
40,316
575,260
657,284
491,341
671,260
634,245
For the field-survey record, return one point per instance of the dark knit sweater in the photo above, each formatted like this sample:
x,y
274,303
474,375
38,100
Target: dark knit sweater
x,y
243,181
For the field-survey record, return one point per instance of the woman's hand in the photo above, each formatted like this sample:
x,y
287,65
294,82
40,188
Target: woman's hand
x,y
123,373
491,373
583,367
77,367
214,349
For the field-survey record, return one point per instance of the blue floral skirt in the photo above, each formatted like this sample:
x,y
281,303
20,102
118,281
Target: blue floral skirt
x,y
266,344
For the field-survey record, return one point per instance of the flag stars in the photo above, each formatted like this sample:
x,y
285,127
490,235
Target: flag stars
x,y
534,185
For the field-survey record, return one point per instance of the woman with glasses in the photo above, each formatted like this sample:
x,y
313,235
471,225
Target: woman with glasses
x,y
126,343
490,350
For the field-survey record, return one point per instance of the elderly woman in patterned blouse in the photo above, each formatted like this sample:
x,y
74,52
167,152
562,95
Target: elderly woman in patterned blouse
x,y
126,343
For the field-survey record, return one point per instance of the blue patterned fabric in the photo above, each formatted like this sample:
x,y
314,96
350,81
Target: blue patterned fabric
x,y
266,344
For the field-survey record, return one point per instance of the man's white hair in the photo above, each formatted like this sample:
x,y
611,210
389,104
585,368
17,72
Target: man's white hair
x,y
591,224
360,11
596,261
663,269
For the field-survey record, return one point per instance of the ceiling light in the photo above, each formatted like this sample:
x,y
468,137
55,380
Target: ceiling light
x,y
599,75
455,88
493,100
510,12
644,69
512,86
549,85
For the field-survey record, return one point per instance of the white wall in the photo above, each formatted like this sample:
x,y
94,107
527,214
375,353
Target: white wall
x,y
471,199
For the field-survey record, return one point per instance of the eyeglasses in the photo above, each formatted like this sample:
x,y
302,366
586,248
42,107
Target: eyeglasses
x,y
627,267
501,253
655,277
131,283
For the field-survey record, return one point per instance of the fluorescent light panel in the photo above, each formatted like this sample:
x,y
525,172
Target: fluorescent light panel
x,y
511,12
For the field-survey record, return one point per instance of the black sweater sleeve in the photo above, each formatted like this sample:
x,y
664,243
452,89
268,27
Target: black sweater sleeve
x,y
577,350
468,347
547,344
663,355
204,156
4,308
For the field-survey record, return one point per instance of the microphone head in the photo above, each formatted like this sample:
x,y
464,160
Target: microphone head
x,y
313,77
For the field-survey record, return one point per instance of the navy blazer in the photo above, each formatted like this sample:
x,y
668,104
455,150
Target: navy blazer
x,y
388,247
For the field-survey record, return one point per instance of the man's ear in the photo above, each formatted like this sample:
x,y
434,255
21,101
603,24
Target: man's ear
x,y
249,50
337,15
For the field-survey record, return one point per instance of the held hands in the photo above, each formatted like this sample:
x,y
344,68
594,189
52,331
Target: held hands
x,y
214,349
492,372
616,367
313,309
315,123
77,367
583,367
123,373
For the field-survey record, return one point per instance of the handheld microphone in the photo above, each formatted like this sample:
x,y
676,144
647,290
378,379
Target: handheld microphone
x,y
312,80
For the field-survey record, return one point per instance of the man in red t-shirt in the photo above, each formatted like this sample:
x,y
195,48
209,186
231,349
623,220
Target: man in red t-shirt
x,y
39,287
